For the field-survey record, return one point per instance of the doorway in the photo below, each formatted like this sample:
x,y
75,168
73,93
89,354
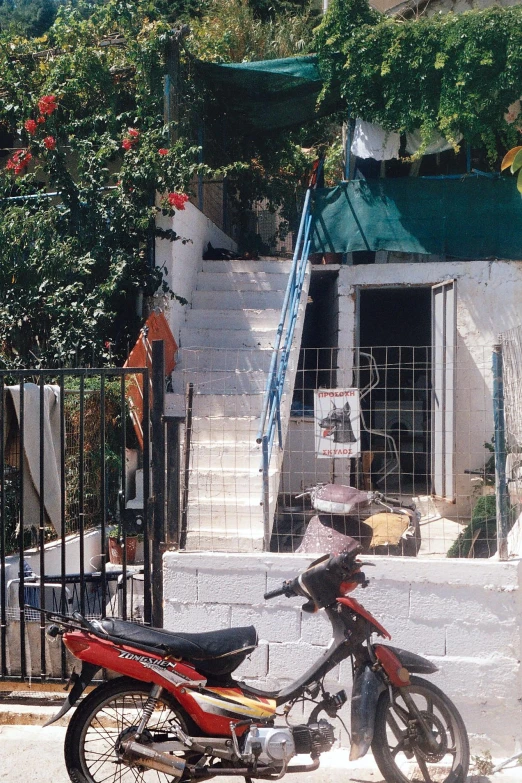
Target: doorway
x,y
395,340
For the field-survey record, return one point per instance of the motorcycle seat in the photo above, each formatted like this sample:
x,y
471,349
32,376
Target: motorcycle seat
x,y
212,652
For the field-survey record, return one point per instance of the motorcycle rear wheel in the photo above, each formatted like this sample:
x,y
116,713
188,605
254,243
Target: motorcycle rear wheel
x,y
94,729
400,748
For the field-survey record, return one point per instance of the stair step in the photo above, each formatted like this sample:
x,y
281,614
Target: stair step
x,y
227,360
232,339
230,429
218,535
238,300
215,405
228,382
271,266
247,320
205,458
241,281
207,486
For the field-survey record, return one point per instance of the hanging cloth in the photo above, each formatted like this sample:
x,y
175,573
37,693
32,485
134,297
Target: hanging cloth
x,y
372,141
52,484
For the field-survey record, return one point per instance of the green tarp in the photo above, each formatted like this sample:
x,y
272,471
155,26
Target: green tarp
x,y
472,217
271,94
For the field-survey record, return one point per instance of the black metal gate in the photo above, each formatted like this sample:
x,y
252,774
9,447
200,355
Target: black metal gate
x,y
76,516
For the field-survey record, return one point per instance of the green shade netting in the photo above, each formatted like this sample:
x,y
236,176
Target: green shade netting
x,y
271,94
472,217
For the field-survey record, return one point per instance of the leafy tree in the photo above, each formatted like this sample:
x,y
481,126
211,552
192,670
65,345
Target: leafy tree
x,y
85,121
29,18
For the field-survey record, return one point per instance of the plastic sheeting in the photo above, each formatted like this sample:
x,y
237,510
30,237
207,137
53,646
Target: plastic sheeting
x,y
272,94
472,217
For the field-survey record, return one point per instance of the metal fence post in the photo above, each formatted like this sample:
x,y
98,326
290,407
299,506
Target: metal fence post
x,y
158,479
500,455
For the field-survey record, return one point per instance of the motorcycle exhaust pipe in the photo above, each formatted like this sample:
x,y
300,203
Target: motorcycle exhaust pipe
x,y
136,754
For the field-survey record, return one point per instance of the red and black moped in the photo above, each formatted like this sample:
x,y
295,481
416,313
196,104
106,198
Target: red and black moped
x,y
177,714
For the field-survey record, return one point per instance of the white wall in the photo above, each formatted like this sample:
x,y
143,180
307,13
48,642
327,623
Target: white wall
x,y
465,616
183,261
488,302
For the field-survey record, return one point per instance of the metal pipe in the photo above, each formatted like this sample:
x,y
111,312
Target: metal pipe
x,y
41,531
502,495
3,608
21,574
158,478
123,490
103,496
186,469
81,490
147,599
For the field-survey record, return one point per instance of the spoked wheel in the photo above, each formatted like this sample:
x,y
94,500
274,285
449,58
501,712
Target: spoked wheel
x,y
403,751
108,717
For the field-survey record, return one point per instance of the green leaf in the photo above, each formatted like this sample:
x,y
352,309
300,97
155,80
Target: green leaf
x,y
517,162
519,181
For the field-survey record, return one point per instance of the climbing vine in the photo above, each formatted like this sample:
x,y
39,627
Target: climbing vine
x,y
456,74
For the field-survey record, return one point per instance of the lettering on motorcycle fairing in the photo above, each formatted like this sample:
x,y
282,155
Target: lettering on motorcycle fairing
x,y
167,669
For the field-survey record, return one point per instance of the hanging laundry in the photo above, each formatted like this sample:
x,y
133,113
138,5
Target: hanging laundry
x,y
52,485
372,141
437,143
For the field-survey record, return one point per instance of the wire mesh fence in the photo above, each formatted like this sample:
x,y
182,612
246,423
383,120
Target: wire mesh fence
x,y
421,436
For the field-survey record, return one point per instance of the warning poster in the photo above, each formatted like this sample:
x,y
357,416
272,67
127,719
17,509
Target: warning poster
x,y
337,423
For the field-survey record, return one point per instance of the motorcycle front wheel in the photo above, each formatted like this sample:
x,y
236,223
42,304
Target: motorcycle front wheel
x,y
400,748
103,718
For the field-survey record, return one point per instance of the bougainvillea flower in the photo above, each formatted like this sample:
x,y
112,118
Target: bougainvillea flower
x,y
19,161
134,133
30,126
50,142
127,144
177,200
163,151
47,104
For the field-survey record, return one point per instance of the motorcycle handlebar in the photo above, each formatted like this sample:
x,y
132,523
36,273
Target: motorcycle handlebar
x,y
287,588
274,593
344,563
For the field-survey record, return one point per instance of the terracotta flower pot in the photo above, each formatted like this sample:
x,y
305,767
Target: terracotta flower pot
x,y
116,550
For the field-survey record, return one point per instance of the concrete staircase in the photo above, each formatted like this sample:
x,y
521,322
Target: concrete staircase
x,y
225,351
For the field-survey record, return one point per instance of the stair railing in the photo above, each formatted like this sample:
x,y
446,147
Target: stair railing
x,y
271,411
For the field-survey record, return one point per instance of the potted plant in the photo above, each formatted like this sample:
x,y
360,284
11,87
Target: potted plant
x,y
116,540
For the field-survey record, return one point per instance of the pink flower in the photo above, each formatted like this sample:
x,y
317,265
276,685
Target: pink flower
x,y
134,133
50,142
30,126
177,200
163,151
127,144
47,104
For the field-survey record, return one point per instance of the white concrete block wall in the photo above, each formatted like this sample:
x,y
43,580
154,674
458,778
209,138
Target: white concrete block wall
x,y
183,261
465,616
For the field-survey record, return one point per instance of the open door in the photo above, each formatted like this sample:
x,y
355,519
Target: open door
x,y
443,389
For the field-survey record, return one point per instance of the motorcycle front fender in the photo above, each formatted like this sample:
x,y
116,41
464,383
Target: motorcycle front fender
x,y
415,664
81,681
367,687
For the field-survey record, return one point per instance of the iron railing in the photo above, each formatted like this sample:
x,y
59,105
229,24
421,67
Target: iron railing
x,y
271,411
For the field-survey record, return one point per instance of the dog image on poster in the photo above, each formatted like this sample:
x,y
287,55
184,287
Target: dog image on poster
x,y
337,423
